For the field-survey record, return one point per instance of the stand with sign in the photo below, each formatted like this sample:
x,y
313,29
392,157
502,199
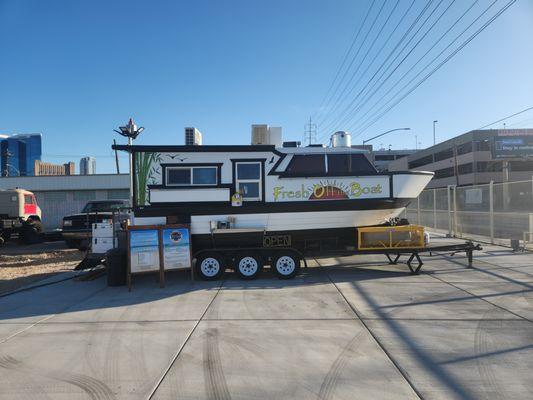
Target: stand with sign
x,y
154,248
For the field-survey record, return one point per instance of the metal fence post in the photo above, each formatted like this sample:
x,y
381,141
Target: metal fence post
x,y
530,228
455,210
449,211
418,209
435,208
491,211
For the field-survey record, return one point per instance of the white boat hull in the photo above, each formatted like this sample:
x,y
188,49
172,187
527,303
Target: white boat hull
x,y
295,221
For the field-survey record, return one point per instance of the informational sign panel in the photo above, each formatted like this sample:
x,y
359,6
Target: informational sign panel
x,y
474,196
144,250
323,189
512,147
176,248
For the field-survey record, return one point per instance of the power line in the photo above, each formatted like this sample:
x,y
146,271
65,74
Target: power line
x,y
405,35
349,116
354,40
421,58
342,96
448,58
503,119
359,49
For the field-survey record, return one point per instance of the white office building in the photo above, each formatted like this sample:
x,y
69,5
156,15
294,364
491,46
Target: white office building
x,y
193,137
88,166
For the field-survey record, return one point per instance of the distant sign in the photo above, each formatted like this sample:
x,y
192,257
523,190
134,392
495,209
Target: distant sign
x,y
512,147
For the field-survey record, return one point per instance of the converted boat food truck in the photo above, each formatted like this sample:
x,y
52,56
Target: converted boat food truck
x,y
251,205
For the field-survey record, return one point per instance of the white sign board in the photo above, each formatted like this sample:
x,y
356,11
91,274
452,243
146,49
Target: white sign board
x,y
474,196
323,189
144,250
176,250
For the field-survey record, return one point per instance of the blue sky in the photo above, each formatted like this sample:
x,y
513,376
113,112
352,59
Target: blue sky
x,y
75,70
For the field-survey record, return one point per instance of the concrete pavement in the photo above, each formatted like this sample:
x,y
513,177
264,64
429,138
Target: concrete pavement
x,y
345,328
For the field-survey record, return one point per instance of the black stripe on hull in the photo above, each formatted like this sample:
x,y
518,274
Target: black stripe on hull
x,y
216,208
308,241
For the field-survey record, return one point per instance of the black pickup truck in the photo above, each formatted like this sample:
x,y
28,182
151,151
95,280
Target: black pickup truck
x,y
77,228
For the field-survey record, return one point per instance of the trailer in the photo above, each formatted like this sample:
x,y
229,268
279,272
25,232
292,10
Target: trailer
x,y
285,260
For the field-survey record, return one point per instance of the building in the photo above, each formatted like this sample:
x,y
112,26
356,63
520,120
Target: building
x,y
468,159
65,195
193,137
88,166
18,154
264,134
45,168
383,157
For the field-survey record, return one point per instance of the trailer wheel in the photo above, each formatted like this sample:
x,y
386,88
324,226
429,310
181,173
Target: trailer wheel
x,y
249,265
286,265
209,266
5,235
31,232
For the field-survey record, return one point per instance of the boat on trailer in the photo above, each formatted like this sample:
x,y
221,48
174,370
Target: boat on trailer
x,y
261,197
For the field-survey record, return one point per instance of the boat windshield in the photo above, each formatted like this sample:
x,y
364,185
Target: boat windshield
x,y
337,165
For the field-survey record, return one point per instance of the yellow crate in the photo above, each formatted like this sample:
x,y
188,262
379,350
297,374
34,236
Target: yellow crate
x,y
390,237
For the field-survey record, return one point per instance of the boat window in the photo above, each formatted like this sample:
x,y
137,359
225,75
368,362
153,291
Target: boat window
x,y
204,176
307,164
349,164
176,176
248,180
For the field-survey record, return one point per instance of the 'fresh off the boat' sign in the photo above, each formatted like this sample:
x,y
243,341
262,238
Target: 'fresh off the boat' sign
x,y
330,189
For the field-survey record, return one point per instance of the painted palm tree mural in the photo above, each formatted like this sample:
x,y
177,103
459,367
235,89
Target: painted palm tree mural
x,y
145,174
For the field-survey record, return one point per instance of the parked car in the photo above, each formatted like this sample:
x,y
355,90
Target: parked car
x,y
19,214
77,228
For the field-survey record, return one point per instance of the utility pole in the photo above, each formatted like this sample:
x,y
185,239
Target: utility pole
x,y
416,142
434,137
116,157
310,131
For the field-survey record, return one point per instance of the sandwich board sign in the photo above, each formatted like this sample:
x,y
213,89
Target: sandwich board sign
x,y
144,250
157,248
176,247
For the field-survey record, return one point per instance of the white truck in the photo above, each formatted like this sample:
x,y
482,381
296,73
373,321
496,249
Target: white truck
x,y
20,214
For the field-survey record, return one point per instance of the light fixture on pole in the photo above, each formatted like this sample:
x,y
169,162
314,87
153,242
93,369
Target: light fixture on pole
x,y
131,132
434,137
384,133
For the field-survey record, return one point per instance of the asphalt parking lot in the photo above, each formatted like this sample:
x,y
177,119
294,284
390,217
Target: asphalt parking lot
x,y
349,328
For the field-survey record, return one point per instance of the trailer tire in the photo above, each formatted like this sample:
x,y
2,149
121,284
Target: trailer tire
x,y
248,265
5,235
72,243
286,265
210,266
31,232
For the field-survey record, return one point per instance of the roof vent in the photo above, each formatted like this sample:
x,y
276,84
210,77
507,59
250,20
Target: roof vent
x,y
341,139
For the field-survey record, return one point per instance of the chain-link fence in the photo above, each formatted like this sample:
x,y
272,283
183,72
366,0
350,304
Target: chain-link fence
x,y
495,211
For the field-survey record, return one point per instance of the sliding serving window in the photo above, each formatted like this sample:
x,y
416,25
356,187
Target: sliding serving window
x,y
191,176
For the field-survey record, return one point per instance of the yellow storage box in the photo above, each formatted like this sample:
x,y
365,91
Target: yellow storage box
x,y
390,237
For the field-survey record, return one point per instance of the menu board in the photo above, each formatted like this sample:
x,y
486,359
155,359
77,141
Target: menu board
x,y
176,248
144,250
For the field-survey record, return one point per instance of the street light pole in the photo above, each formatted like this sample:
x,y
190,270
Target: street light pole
x,y
384,133
434,137
130,131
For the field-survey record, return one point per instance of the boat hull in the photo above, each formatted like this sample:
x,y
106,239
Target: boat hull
x,y
296,221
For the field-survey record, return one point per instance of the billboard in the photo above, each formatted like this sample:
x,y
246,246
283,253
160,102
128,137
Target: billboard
x,y
512,147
